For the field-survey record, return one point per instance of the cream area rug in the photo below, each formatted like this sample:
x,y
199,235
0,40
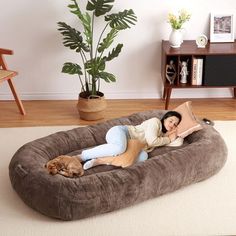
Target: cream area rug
x,y
205,208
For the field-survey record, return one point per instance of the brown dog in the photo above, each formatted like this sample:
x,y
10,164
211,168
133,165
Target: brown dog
x,y
68,166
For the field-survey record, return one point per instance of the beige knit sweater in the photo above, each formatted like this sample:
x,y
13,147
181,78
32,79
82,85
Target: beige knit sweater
x,y
149,133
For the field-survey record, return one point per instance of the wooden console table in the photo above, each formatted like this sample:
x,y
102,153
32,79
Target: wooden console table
x,y
218,68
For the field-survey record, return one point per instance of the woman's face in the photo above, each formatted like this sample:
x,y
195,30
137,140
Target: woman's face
x,y
171,122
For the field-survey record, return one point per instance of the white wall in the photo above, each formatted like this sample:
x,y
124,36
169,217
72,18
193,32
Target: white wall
x,y
30,29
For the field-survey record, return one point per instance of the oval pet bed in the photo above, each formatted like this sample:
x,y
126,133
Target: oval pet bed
x,y
106,188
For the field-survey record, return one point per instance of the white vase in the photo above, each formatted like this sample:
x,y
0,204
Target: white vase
x,y
176,38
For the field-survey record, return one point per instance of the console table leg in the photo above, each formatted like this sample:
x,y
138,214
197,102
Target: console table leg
x,y
164,93
168,93
234,92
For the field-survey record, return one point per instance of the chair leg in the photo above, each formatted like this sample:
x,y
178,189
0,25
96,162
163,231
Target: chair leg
x,y
18,101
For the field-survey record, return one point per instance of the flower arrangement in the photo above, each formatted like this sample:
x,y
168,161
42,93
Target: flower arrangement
x,y
177,22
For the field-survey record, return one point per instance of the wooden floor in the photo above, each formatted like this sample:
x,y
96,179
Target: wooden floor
x,y
47,113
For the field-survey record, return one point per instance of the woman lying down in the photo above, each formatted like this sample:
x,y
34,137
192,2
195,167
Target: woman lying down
x,y
127,144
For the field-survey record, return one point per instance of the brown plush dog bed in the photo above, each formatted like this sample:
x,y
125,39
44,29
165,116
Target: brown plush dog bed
x,y
106,188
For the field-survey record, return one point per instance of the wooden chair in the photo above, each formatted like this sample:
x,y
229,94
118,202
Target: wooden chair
x,y
7,75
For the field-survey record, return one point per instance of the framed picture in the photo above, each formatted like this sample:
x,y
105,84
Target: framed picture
x,y
222,27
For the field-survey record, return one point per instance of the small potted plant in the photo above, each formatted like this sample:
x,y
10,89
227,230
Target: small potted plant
x,y
94,54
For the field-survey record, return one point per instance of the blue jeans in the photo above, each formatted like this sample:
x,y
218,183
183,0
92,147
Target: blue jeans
x,y
116,138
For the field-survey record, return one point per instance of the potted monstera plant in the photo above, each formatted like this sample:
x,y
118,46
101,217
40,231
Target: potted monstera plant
x,y
94,49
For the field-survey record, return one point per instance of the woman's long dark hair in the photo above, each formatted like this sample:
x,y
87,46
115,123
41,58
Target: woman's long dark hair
x,y
169,114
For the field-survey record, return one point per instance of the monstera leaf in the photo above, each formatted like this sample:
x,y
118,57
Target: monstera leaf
x,y
100,7
72,38
108,77
121,20
71,68
108,40
84,18
114,53
95,66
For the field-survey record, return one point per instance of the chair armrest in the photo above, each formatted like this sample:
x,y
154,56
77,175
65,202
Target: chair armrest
x,y
6,51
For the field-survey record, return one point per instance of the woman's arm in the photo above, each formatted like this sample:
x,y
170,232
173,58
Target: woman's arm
x,y
153,134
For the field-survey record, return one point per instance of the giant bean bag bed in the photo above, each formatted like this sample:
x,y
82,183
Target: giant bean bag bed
x,y
107,188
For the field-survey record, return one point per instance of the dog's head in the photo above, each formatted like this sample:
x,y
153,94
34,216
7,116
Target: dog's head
x,y
52,167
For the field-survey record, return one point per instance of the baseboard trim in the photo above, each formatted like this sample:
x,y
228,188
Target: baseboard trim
x,y
176,93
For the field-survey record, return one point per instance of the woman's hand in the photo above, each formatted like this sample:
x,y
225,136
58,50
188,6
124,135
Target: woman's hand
x,y
174,130
172,134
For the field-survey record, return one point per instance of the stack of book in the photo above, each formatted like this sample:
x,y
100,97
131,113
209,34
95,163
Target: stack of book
x,y
197,71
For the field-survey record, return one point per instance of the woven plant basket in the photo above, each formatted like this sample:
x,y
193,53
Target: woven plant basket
x,y
93,107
